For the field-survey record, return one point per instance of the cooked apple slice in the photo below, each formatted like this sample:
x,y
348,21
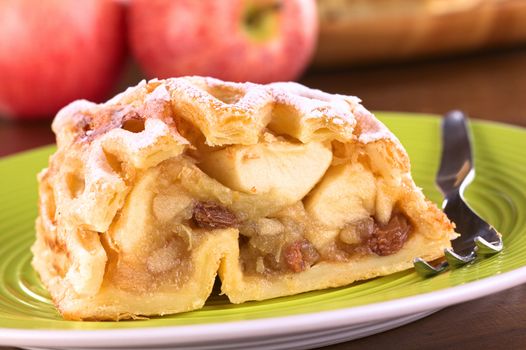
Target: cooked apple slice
x,y
288,170
346,194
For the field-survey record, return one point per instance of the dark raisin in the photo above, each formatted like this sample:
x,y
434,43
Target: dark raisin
x,y
211,215
300,255
390,238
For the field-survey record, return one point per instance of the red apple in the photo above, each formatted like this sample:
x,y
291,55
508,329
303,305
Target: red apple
x,y
238,40
55,51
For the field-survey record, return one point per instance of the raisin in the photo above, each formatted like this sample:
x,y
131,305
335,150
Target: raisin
x,y
211,215
300,255
390,238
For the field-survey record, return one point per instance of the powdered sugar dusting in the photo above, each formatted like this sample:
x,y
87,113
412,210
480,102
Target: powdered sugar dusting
x,y
153,131
128,92
314,103
64,116
371,128
159,93
200,91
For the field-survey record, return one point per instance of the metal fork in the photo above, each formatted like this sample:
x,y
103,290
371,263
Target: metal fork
x,y
477,237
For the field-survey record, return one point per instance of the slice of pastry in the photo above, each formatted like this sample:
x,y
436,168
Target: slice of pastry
x,y
279,188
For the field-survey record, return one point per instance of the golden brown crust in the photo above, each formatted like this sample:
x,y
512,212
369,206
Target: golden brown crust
x,y
118,235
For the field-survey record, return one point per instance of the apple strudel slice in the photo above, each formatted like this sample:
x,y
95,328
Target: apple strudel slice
x,y
279,189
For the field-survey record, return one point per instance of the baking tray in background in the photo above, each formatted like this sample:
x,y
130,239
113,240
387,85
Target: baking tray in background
x,y
354,32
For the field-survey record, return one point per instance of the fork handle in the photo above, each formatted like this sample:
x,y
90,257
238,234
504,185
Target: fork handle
x,y
456,165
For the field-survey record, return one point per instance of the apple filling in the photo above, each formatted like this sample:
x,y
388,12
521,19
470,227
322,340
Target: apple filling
x,y
278,245
294,204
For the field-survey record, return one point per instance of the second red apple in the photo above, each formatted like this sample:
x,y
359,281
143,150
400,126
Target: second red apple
x,y
259,40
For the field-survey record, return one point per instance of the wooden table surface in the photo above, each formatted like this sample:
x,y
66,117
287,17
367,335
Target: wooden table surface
x,y
488,86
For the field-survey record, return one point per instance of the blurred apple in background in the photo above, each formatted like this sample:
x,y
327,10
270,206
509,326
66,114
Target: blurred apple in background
x,y
55,51
239,40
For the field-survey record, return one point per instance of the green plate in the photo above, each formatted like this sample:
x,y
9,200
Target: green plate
x,y
498,194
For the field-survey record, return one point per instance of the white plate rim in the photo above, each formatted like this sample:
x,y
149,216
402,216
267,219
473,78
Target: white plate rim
x,y
274,326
